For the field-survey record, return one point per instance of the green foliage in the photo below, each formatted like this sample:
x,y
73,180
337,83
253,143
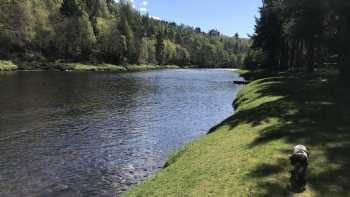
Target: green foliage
x,y
16,24
70,8
147,51
255,59
75,37
105,31
160,49
93,67
303,35
128,35
169,51
7,65
183,56
108,42
86,38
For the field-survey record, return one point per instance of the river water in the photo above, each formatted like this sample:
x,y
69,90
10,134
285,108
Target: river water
x,y
96,133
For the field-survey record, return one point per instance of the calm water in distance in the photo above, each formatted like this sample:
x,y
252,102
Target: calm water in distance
x,y
97,134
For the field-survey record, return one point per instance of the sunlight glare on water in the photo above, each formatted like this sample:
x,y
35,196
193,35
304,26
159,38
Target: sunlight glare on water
x,y
97,134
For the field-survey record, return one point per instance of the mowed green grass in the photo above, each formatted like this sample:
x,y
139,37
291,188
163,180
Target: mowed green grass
x,y
144,67
7,65
115,68
248,154
94,67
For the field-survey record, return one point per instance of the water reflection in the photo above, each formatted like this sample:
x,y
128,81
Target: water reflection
x,y
95,134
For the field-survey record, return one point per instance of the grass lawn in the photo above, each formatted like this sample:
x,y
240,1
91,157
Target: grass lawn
x,y
94,67
148,67
248,154
116,68
7,65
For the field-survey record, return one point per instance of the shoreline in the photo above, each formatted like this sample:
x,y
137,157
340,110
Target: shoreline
x,y
83,67
174,156
8,65
248,153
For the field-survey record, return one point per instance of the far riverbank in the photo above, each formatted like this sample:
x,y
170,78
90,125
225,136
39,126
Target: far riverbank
x,y
58,66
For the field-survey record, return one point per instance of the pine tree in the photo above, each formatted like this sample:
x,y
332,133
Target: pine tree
x,y
128,33
160,55
70,8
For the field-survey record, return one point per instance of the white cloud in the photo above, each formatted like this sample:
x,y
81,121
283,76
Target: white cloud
x,y
144,3
155,17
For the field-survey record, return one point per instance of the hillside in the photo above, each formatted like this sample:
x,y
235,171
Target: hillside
x,y
102,31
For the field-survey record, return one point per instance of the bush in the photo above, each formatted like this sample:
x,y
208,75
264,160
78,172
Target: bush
x,y
254,59
7,65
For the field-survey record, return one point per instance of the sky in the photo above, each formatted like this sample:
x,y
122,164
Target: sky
x,y
227,16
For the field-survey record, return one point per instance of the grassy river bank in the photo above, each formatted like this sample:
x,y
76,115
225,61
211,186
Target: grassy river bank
x,y
11,66
248,153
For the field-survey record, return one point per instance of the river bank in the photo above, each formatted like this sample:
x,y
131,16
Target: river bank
x,y
248,153
58,66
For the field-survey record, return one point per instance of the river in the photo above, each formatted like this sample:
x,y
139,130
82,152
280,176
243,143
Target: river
x,y
98,133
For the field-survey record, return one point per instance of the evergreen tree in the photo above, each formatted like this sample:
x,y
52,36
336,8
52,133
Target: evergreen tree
x,y
128,33
301,36
160,55
143,56
70,8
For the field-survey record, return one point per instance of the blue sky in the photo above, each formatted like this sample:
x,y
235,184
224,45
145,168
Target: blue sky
x,y
227,16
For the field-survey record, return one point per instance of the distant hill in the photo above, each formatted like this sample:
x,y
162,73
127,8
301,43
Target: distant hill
x,y
105,31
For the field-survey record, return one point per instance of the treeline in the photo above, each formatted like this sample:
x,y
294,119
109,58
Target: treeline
x,y
105,31
302,35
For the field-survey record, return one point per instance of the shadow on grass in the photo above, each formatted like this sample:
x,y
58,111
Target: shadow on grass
x,y
312,111
267,169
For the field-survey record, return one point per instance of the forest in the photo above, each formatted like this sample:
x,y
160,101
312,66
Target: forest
x,y
103,31
303,35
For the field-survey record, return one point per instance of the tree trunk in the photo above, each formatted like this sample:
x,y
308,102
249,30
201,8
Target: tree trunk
x,y
292,56
344,55
344,67
310,55
284,57
299,54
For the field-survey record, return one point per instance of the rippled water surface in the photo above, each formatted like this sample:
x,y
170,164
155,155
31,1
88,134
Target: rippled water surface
x,y
96,134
